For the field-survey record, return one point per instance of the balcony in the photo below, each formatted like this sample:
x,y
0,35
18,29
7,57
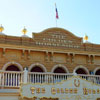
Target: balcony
x,y
13,78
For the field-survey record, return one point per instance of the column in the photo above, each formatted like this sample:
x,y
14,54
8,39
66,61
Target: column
x,y
93,59
68,57
25,75
23,53
89,59
73,55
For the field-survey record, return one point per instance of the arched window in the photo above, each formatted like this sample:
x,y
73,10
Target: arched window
x,y
12,78
37,69
81,71
59,77
35,77
97,72
12,68
59,70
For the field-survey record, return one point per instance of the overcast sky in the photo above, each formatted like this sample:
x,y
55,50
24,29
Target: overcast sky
x,y
78,16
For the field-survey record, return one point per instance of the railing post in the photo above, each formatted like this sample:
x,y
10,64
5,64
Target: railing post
x,y
74,73
25,75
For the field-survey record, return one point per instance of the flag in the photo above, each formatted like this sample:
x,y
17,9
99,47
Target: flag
x,y
57,17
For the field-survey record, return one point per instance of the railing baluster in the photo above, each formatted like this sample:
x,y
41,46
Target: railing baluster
x,y
18,79
30,78
11,79
0,79
40,78
46,78
21,78
6,79
3,79
35,78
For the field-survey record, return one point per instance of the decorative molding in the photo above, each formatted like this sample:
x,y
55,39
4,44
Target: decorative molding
x,y
68,57
93,59
46,56
80,66
73,55
28,54
12,63
23,53
89,59
51,57
4,49
96,69
9,94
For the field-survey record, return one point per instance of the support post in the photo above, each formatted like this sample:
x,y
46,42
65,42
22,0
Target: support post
x,y
25,75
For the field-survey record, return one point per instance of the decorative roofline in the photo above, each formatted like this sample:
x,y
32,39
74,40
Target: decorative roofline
x,y
31,42
58,29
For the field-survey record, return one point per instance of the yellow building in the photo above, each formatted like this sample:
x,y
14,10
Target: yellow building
x,y
49,57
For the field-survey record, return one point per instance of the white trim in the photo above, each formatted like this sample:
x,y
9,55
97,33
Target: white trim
x,y
80,66
12,63
37,64
96,69
60,65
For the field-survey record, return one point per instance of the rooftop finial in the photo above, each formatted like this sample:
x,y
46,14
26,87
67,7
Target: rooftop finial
x,y
1,28
86,37
24,31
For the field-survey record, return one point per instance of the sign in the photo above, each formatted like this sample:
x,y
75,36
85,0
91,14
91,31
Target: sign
x,y
60,38
74,88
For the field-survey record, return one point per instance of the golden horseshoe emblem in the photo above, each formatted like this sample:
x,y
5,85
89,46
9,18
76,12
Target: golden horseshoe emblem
x,y
77,84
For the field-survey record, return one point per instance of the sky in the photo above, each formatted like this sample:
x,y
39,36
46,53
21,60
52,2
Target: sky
x,y
77,16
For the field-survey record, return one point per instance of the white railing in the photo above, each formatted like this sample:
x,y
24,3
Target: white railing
x,y
55,77
47,77
91,78
10,78
13,78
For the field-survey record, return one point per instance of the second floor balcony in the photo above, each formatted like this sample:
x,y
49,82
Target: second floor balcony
x,y
15,78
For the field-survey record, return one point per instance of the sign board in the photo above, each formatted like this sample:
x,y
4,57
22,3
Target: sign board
x,y
74,88
57,37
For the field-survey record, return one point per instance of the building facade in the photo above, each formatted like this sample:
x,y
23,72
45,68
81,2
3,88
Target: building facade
x,y
50,56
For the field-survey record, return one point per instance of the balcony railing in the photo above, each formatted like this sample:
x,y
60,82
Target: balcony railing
x,y
91,78
13,79
55,77
10,78
47,77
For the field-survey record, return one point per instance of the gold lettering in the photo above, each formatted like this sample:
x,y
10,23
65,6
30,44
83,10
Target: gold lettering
x,y
53,90
85,91
66,90
43,90
93,91
71,91
98,91
62,90
58,90
75,90
32,90
38,90
89,91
